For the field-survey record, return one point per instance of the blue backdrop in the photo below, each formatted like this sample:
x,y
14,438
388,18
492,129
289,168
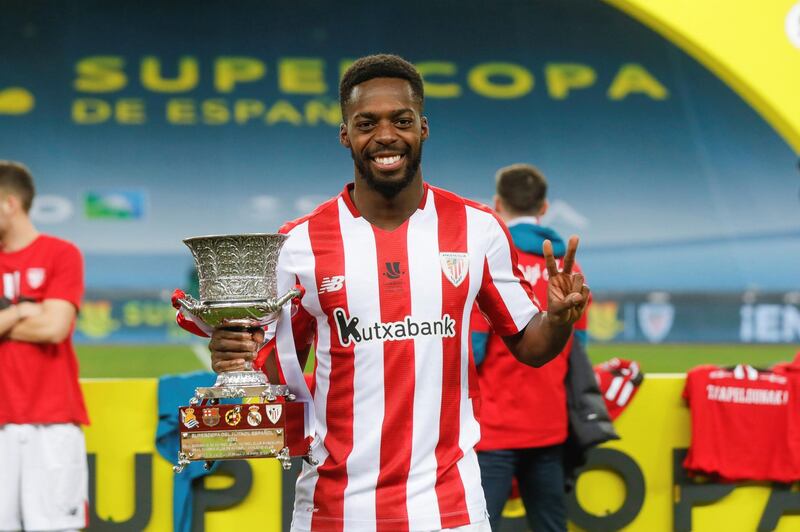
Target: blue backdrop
x,y
147,122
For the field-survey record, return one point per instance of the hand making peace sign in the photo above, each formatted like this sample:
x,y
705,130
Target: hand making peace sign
x,y
567,295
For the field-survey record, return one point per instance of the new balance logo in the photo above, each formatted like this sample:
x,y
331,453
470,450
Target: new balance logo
x,y
350,331
331,284
393,270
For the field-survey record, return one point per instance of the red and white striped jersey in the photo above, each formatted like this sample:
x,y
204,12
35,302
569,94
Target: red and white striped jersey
x,y
394,424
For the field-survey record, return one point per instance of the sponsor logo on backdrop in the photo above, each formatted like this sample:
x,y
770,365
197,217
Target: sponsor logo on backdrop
x,y
115,205
604,323
769,323
16,101
655,320
96,321
50,209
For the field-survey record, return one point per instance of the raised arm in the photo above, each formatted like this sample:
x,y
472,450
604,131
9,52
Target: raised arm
x,y
567,296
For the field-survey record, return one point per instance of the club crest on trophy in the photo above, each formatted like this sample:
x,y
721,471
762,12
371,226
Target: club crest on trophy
x,y
238,290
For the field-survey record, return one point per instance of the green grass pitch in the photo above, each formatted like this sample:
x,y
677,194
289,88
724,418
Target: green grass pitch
x,y
136,361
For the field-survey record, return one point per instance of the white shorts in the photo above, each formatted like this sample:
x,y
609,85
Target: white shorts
x,y
43,477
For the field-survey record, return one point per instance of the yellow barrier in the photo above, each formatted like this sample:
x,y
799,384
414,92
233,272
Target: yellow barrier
x,y
123,414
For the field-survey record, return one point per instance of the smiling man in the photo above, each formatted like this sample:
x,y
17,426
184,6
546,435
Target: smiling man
x,y
391,268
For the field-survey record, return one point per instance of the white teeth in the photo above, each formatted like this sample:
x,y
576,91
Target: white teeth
x,y
387,160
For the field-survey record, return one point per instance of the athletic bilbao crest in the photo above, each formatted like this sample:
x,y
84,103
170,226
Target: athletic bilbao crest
x,y
273,412
35,277
655,320
454,266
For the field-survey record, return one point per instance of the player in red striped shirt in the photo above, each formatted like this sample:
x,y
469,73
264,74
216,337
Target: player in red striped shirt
x,y
390,270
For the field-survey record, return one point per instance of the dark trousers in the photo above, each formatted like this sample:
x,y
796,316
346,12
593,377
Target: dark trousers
x,y
540,474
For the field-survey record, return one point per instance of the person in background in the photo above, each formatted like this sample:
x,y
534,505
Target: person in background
x,y
523,412
43,471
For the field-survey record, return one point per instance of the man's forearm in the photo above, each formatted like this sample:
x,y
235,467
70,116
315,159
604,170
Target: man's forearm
x,y
540,341
38,329
271,363
9,317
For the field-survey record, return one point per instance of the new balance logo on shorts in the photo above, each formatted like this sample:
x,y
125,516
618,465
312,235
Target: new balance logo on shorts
x,y
331,284
350,331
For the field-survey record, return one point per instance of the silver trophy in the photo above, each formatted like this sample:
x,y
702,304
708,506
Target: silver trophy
x,y
238,289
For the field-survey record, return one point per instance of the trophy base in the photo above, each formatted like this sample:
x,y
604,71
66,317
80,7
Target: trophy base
x,y
253,430
241,378
266,393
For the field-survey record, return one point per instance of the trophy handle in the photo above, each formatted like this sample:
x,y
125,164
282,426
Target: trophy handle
x,y
189,303
285,298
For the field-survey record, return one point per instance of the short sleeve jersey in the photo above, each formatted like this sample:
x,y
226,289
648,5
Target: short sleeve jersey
x,y
740,423
39,380
395,426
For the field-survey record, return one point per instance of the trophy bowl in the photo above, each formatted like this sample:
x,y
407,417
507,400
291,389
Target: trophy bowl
x,y
238,289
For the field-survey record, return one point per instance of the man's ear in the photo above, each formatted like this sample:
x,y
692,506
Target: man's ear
x,y
425,129
344,140
8,202
498,204
543,210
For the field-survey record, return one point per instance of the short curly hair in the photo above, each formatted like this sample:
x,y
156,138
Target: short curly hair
x,y
380,66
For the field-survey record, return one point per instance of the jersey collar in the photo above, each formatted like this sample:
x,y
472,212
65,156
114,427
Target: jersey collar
x,y
348,200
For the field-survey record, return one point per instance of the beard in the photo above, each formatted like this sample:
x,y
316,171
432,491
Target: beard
x,y
388,189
